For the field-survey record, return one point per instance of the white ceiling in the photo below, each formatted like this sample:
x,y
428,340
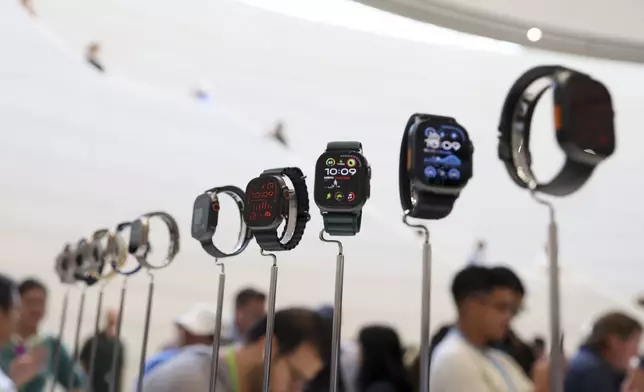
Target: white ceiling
x,y
606,29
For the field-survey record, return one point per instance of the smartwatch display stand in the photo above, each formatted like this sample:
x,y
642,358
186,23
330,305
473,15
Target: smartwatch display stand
x,y
426,302
270,322
76,348
61,332
556,354
214,361
97,330
337,313
119,323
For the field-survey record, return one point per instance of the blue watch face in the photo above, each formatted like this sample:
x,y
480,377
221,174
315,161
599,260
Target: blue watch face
x,y
441,155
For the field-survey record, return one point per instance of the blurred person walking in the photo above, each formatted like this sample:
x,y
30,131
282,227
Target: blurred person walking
x,y
28,339
195,328
250,307
603,360
465,360
302,341
25,367
105,344
382,367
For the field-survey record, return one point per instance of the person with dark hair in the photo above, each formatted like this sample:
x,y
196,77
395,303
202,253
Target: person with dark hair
x,y
105,344
25,367
465,360
250,307
382,368
27,339
602,362
301,347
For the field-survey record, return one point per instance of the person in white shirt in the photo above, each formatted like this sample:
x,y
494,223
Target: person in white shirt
x,y
464,361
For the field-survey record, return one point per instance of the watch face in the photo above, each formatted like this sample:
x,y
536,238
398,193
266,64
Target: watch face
x,y
204,217
262,207
441,155
341,180
136,234
586,119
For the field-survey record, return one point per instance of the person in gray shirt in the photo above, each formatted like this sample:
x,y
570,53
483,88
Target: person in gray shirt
x,y
301,348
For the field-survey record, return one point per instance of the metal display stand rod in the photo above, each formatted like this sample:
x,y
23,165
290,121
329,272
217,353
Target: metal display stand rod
x,y
426,304
270,323
217,336
337,313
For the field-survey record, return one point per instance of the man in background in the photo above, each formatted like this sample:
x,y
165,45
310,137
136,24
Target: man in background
x,y
250,307
105,344
465,360
301,347
33,306
195,328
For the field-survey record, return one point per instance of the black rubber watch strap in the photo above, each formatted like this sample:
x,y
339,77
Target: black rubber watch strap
x,y
344,146
573,175
268,239
342,223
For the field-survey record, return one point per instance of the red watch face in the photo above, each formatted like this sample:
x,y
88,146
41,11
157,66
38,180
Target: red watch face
x,y
262,202
587,118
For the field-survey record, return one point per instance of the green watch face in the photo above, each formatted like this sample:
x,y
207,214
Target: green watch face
x,y
341,180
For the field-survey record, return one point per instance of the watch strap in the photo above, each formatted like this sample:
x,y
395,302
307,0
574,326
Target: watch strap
x,y
342,223
245,234
573,175
268,239
428,205
119,228
344,146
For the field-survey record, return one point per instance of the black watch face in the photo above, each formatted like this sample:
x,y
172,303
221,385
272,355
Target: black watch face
x,y
341,180
586,117
136,233
442,155
262,207
204,217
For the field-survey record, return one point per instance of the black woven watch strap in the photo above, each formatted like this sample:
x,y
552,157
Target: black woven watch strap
x,y
268,239
342,223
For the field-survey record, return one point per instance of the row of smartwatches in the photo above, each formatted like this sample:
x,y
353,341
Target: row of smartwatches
x,y
104,254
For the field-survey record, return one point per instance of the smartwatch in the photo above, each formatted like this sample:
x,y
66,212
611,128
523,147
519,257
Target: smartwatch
x,y
342,187
119,267
114,252
276,196
65,265
139,244
89,261
205,216
435,165
584,127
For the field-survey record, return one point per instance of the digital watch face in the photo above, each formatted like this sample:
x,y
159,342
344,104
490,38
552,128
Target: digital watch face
x,y
204,217
341,180
442,155
262,209
587,118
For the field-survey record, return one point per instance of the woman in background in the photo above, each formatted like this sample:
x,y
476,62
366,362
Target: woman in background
x,y
382,368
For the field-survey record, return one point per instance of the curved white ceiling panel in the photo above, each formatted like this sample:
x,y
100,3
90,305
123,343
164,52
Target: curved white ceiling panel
x,y
612,30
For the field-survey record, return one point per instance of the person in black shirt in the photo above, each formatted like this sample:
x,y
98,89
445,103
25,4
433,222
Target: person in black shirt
x,y
106,342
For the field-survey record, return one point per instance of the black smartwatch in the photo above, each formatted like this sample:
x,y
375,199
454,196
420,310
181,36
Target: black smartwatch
x,y
66,265
205,216
139,244
584,126
342,187
277,195
89,261
435,165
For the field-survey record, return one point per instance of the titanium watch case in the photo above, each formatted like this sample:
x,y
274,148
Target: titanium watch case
x,y
204,227
365,173
65,265
415,171
139,244
286,207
